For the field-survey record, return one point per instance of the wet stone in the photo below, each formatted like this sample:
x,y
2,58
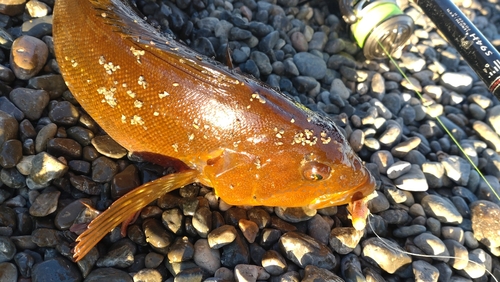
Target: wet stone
x,y
250,273
304,250
9,127
9,108
222,236
125,181
207,258
310,65
153,260
11,153
413,180
434,174
103,169
457,169
180,250
398,168
45,168
31,102
28,56
45,237
106,146
459,254
202,221
274,263
85,184
79,166
383,159
82,135
259,216
8,249
52,83
64,113
68,148
45,204
424,271
458,82
343,240
188,275
102,274
318,228
408,231
314,273
235,253
8,272
432,245
441,209
156,235
44,135
121,255
66,216
294,214
173,220
299,41
249,229
148,275
487,134
389,259
56,269
486,224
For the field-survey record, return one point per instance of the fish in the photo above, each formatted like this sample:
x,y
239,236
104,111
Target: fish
x,y
252,144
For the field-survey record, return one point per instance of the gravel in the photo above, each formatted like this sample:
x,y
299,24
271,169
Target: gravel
x,y
55,161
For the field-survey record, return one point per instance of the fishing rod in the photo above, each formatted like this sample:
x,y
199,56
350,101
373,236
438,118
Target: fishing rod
x,y
379,25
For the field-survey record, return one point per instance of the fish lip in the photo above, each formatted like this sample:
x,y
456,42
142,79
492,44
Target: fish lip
x,y
363,190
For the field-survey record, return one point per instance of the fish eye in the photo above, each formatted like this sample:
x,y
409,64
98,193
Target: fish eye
x,y
315,171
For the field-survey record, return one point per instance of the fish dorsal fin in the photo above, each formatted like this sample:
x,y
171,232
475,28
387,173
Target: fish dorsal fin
x,y
122,17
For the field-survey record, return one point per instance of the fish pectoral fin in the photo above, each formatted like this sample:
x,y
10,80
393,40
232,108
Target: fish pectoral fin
x,y
127,205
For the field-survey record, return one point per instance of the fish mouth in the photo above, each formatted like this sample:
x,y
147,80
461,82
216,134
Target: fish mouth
x,y
364,189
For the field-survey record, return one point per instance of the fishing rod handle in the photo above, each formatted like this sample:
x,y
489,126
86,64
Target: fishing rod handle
x,y
474,47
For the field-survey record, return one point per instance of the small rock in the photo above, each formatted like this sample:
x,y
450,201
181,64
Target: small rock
x,y
485,217
206,257
390,258
28,56
304,250
441,209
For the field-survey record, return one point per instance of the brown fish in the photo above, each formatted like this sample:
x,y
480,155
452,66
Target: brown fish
x,y
161,100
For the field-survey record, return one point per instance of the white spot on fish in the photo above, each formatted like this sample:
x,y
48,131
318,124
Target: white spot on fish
x,y
163,95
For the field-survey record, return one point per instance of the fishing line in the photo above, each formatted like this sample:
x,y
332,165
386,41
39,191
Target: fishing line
x,y
382,240
482,265
441,123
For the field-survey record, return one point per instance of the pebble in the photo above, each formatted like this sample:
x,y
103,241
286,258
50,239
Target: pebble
x,y
9,125
64,113
458,82
11,153
108,147
274,263
45,203
28,56
441,209
45,168
398,168
413,180
100,274
249,229
8,272
249,273
222,236
103,169
295,214
424,271
385,254
343,240
487,134
304,250
7,251
383,159
207,258
44,135
457,169
432,245
31,102
56,269
459,256
310,65
485,217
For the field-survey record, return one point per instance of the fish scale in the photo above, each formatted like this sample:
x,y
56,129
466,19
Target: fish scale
x,y
168,104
